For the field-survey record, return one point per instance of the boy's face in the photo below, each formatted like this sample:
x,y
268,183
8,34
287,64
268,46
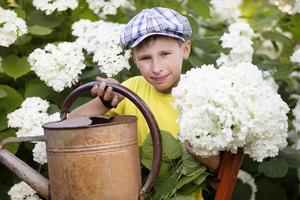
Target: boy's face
x,y
160,61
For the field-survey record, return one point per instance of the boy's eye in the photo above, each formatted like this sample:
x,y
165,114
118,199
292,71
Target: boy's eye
x,y
144,58
165,54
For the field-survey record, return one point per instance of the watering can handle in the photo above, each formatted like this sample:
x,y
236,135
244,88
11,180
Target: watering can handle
x,y
154,130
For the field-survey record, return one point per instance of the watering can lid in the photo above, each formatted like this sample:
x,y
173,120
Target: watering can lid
x,y
89,121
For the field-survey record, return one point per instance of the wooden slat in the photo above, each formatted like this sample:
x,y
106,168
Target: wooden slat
x,y
229,168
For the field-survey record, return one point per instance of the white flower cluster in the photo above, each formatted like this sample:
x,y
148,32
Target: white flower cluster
x,y
296,7
245,177
295,58
296,113
29,118
22,191
49,6
58,65
283,6
226,10
239,40
11,27
101,39
108,7
227,108
270,80
294,134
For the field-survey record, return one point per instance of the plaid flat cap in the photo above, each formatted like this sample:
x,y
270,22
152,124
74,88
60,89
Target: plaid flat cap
x,y
154,21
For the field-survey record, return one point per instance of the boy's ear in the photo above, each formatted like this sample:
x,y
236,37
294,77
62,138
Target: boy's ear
x,y
186,47
132,55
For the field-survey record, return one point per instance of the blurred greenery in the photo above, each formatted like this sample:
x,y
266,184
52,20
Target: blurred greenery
x,y
276,178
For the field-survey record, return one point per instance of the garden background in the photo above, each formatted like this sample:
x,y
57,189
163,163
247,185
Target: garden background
x,y
276,25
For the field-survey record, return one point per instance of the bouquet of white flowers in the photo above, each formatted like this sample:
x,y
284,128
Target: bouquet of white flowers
x,y
231,107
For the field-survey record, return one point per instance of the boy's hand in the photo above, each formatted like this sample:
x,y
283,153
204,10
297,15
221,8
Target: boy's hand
x,y
212,162
107,95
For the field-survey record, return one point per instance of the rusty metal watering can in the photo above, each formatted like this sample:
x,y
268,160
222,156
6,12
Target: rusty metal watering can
x,y
90,157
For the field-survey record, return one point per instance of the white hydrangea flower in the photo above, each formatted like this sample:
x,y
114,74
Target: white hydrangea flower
x,y
58,65
239,40
11,27
247,178
295,58
283,6
226,10
108,7
29,119
227,108
296,7
49,6
39,153
270,80
22,191
101,39
296,113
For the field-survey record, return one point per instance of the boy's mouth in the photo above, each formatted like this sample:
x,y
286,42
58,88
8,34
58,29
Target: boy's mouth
x,y
159,79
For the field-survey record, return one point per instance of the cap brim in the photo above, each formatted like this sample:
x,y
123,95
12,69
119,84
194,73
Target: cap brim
x,y
140,39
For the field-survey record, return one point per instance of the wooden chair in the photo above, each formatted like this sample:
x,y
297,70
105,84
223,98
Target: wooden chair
x,y
228,171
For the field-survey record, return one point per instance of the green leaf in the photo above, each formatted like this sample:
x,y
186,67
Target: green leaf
x,y
191,163
200,179
12,101
20,13
83,12
291,156
3,120
22,40
242,191
269,190
275,36
188,179
15,67
36,88
273,168
41,19
53,108
166,186
2,94
39,30
183,198
13,147
164,167
170,146
188,189
201,7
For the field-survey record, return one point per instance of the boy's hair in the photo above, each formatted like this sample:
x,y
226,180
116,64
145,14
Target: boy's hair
x,y
155,21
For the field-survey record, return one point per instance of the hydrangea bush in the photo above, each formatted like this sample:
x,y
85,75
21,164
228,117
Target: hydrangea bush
x,y
48,48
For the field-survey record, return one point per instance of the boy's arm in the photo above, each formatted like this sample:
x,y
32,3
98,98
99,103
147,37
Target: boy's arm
x,y
212,162
95,106
91,108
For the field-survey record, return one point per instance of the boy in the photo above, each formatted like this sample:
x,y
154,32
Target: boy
x,y
158,41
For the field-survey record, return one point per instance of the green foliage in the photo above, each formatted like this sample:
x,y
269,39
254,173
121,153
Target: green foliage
x,y
274,168
15,67
180,173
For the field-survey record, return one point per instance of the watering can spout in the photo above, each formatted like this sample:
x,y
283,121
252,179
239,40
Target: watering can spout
x,y
24,172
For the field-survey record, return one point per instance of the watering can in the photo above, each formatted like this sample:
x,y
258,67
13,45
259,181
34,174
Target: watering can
x,y
90,157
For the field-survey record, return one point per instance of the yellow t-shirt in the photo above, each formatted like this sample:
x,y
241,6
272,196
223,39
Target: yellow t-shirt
x,y
160,104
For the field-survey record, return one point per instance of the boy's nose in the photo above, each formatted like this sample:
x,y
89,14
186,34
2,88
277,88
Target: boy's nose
x,y
156,67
